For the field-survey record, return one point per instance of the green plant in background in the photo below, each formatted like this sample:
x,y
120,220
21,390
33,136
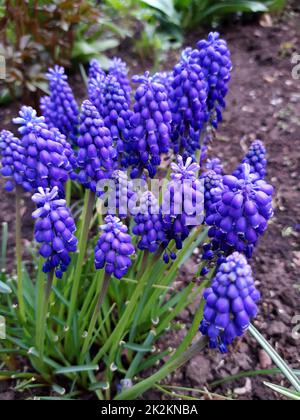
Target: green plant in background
x,y
35,35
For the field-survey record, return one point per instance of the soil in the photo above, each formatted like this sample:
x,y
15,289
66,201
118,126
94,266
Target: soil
x,y
264,103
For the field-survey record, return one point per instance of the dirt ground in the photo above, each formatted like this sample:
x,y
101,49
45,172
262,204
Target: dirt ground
x,y
264,103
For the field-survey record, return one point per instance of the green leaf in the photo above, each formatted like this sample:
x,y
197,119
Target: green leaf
x,y
234,7
4,288
284,391
137,347
166,7
279,362
76,369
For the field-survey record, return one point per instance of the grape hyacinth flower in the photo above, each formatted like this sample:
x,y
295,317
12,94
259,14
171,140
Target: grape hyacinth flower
x,y
240,213
182,206
214,58
231,303
114,248
215,165
110,100
46,110
61,108
95,69
54,229
166,79
151,123
12,156
123,197
48,156
118,69
256,158
211,181
96,153
149,224
188,104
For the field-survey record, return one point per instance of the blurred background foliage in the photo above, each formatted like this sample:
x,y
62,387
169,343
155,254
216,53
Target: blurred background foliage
x,y
35,34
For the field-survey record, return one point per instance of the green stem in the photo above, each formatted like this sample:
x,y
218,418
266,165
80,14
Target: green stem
x,y
20,291
42,315
138,389
102,294
68,192
76,274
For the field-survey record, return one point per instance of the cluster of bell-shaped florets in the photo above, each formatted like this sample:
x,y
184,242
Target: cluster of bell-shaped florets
x,y
48,157
215,61
95,69
151,122
122,198
96,153
256,158
114,248
60,109
188,104
12,159
110,100
211,180
230,303
149,225
183,206
54,229
215,165
240,212
165,78
118,69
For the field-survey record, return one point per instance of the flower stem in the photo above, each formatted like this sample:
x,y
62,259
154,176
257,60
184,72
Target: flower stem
x,y
102,294
42,315
138,389
20,291
82,245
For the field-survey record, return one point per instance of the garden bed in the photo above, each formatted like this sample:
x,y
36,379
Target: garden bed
x,y
264,102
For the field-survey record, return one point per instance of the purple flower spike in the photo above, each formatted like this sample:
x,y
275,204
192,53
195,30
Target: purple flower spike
x,y
114,248
151,124
215,165
256,158
182,206
231,303
96,153
214,58
240,212
48,158
110,99
54,230
12,155
118,69
149,224
188,104
61,109
95,69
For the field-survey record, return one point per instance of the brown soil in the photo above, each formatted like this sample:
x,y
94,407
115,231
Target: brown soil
x,y
264,102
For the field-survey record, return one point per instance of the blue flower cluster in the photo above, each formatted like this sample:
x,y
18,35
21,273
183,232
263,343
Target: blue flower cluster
x,y
110,100
118,69
182,206
230,303
149,224
122,199
211,181
188,103
48,157
213,57
240,212
61,109
12,156
256,159
95,69
96,153
215,165
54,229
114,248
151,123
